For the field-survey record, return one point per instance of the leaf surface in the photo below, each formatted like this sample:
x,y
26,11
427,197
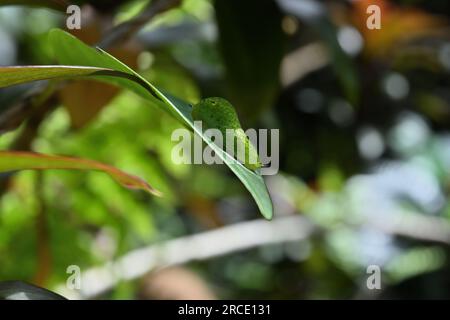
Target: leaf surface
x,y
15,160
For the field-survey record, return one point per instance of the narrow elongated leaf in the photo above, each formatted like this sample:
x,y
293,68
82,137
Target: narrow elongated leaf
x,y
16,75
71,51
13,161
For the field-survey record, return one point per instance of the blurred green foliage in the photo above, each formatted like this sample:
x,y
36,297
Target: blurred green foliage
x,y
371,173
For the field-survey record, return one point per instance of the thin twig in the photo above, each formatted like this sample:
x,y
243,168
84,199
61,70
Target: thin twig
x,y
413,225
238,237
200,246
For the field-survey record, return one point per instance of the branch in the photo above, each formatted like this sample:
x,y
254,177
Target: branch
x,y
200,246
37,108
412,225
239,237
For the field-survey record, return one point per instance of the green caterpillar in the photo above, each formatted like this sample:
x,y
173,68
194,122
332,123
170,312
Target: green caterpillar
x,y
218,113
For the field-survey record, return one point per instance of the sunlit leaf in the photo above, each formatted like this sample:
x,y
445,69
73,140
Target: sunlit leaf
x,y
84,99
16,75
101,65
13,161
71,51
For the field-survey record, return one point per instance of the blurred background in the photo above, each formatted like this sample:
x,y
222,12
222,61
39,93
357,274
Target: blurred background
x,y
364,120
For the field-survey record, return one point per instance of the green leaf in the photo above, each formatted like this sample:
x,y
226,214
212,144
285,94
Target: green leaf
x,y
16,75
104,67
60,5
71,51
252,181
13,161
